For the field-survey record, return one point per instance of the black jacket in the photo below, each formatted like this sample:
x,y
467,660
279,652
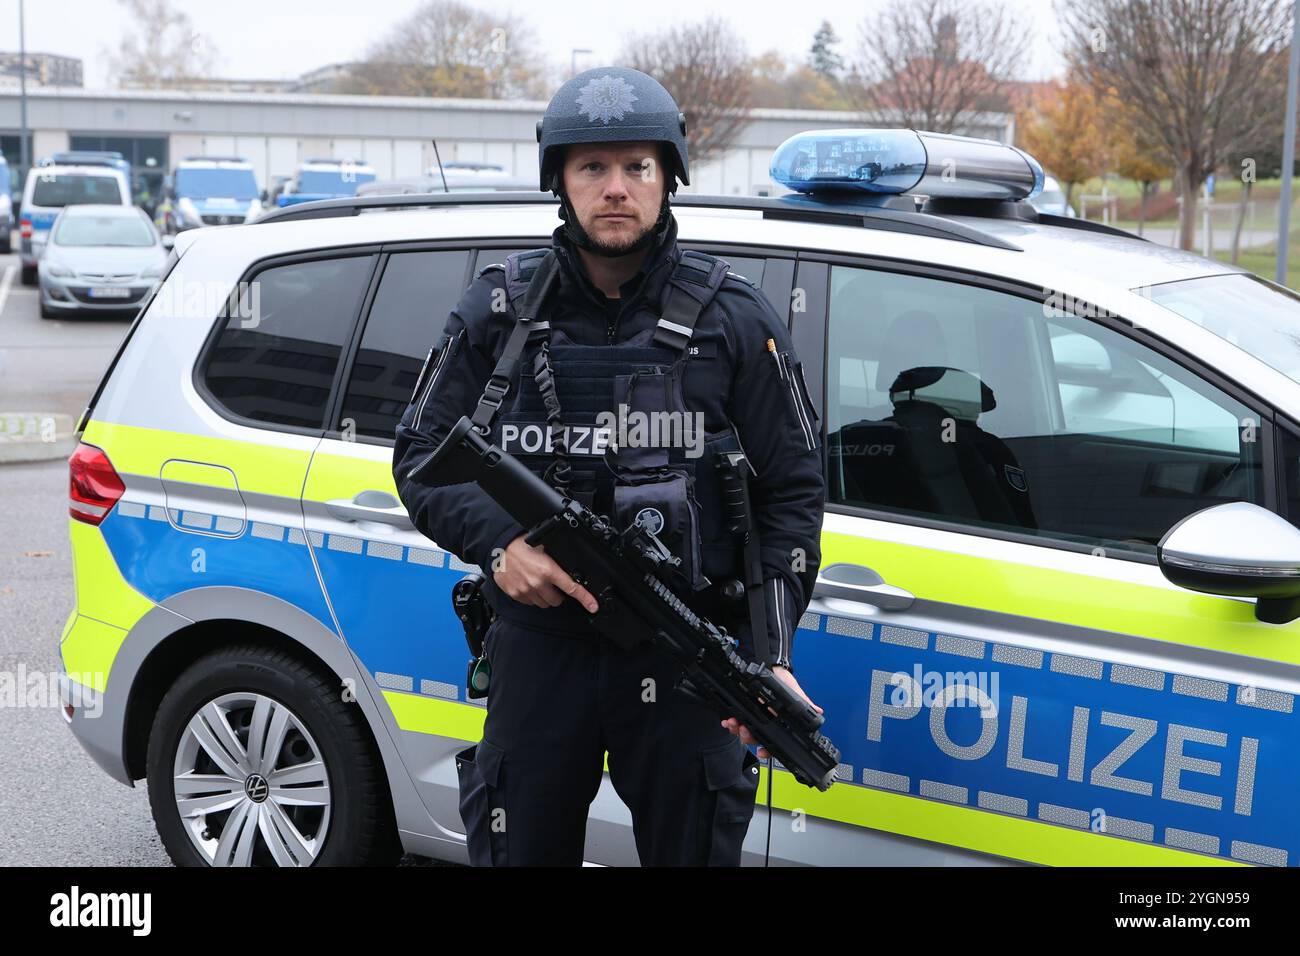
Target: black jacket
x,y
733,377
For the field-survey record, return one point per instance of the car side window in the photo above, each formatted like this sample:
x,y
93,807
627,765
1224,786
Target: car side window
x,y
973,406
416,293
276,352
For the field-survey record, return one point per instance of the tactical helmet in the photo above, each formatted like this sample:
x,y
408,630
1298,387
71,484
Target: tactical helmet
x,y
610,105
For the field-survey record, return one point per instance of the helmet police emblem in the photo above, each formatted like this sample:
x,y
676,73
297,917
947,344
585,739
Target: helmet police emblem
x,y
606,98
256,788
650,518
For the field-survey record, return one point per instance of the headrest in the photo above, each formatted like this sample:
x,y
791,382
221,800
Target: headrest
x,y
959,392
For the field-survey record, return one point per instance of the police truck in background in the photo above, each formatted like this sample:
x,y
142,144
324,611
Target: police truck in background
x,y
51,186
209,191
325,179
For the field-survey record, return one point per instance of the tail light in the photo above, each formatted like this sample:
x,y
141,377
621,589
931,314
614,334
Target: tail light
x,y
94,486
25,227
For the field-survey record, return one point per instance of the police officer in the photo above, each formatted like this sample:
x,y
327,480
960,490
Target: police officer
x,y
634,330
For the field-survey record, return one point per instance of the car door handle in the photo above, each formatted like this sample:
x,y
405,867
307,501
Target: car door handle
x,y
370,505
853,582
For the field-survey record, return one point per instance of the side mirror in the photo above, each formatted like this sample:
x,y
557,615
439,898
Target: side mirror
x,y
1237,550
1080,357
168,241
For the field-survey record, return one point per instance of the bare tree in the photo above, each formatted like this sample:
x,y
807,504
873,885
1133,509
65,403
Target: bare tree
x,y
1191,71
166,52
446,48
933,62
706,68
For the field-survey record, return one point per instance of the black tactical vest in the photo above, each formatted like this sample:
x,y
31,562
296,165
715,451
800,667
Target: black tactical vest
x,y
607,424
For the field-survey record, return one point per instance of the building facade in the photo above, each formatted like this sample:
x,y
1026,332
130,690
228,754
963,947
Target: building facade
x,y
275,131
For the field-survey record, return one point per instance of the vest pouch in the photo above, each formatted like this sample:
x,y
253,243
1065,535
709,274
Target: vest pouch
x,y
665,504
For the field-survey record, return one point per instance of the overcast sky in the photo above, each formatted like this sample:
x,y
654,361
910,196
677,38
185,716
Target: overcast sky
x,y
285,38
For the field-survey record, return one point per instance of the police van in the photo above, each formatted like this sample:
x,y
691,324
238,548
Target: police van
x,y
209,191
50,186
1056,615
325,179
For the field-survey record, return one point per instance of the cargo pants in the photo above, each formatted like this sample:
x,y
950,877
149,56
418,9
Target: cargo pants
x,y
556,704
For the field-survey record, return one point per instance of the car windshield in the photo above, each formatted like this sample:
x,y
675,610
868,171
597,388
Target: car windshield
x,y
103,231
332,182
1258,317
216,183
62,189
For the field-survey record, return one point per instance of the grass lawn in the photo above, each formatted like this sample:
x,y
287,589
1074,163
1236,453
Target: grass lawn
x,y
1264,194
1264,262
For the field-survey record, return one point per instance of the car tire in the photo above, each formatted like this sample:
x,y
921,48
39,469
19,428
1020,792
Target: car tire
x,y
29,275
6,243
347,822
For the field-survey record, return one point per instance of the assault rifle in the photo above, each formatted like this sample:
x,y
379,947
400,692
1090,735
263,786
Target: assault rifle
x,y
626,571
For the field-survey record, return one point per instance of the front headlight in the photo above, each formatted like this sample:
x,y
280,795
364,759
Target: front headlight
x,y
188,211
57,269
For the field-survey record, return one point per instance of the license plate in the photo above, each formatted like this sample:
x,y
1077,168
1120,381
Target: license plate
x,y
109,292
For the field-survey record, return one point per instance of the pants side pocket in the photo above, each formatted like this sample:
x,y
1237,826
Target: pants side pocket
x,y
479,770
731,774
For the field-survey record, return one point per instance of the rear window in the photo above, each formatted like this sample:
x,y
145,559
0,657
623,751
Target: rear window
x,y
275,358
103,231
417,292
58,190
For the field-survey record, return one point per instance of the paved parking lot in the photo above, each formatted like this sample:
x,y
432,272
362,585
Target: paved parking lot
x,y
59,807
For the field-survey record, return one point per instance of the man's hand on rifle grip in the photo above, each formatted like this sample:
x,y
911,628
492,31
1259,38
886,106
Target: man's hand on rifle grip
x,y
736,727
530,576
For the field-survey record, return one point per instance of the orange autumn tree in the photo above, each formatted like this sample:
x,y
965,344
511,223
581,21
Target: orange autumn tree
x,y
1064,129
1136,151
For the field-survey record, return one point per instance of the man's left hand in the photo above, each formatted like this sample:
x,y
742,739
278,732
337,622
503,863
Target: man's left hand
x,y
736,727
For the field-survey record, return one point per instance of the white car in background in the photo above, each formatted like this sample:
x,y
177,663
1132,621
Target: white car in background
x,y
49,189
1052,200
100,259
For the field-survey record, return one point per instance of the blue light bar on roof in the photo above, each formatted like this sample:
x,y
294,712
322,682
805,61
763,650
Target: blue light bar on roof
x,y
905,161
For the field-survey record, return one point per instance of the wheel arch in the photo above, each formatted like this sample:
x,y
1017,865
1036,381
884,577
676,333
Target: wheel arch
x,y
188,625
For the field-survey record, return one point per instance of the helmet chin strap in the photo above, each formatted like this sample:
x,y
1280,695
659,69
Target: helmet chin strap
x,y
579,237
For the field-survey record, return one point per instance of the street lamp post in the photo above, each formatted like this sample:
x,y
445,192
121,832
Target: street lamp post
x,y
23,153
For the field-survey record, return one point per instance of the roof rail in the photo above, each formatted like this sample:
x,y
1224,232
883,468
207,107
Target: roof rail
x,y
892,216
1023,211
